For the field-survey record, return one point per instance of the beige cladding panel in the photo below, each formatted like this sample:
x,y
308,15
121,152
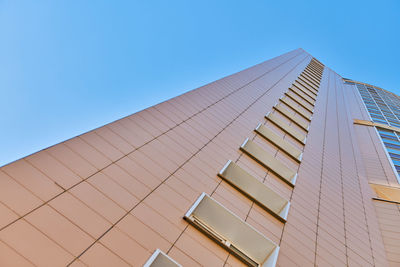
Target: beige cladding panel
x,y
389,193
376,124
268,161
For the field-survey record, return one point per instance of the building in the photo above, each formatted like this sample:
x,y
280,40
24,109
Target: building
x,y
285,163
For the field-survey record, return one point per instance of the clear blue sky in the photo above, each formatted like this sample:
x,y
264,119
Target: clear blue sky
x,y
67,67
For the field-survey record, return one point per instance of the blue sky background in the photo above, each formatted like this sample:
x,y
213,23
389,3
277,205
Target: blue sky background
x,y
67,67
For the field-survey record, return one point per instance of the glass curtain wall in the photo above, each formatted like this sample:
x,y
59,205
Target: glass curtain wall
x,y
384,107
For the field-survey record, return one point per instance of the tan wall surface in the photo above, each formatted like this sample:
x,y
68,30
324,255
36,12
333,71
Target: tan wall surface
x,y
112,196
389,221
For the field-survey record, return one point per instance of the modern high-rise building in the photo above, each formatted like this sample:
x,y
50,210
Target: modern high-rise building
x,y
283,164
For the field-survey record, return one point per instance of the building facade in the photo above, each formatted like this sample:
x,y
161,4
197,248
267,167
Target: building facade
x,y
282,164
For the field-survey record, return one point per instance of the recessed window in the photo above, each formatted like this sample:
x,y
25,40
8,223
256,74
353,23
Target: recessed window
x,y
316,72
232,233
285,127
308,81
255,190
302,95
278,141
306,92
268,161
314,77
291,104
160,259
300,101
313,74
304,125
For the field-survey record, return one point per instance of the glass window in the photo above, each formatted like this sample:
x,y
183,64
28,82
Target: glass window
x,y
391,150
232,232
255,190
385,136
396,162
392,145
391,141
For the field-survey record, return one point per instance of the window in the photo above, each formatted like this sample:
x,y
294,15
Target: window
x,y
392,141
290,103
305,91
386,131
394,156
285,127
300,101
304,125
313,74
307,79
394,151
392,146
255,190
307,82
231,232
160,259
302,95
396,162
310,78
309,92
278,141
268,161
